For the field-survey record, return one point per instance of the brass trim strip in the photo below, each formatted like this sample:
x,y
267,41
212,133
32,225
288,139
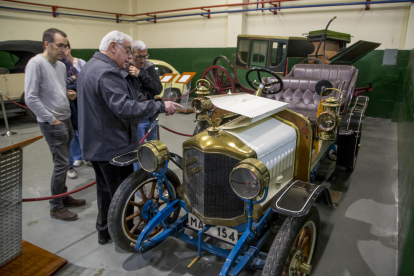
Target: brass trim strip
x,y
310,136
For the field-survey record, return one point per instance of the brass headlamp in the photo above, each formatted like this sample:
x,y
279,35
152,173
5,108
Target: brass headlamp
x,y
329,119
201,105
249,178
152,155
203,89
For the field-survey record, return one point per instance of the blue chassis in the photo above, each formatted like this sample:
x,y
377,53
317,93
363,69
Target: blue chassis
x,y
241,256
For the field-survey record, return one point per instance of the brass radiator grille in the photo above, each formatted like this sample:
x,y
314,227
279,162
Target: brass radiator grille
x,y
206,184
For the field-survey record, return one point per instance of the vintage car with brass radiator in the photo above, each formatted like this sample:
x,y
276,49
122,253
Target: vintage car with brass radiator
x,y
240,178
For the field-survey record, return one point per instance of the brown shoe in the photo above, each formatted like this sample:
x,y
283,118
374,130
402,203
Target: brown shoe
x,y
63,214
71,202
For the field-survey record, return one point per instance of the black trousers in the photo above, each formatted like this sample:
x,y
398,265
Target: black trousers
x,y
108,179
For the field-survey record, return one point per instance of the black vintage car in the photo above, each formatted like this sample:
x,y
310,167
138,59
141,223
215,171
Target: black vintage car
x,y
15,54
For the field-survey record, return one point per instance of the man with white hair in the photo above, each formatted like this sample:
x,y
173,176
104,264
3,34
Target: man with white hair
x,y
149,83
108,111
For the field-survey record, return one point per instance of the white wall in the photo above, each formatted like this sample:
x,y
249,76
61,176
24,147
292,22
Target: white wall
x,y
409,42
183,32
390,24
82,32
382,23
385,23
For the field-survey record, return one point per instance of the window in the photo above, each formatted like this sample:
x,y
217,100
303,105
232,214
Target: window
x,y
161,70
243,50
258,53
278,53
8,60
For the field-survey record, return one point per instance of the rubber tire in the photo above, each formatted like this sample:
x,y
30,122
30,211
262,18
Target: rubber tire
x,y
284,240
355,155
167,90
347,156
123,193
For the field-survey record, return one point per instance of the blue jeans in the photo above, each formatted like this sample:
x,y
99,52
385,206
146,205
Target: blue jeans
x,y
58,137
75,150
142,129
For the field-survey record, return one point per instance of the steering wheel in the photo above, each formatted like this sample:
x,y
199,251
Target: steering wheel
x,y
267,85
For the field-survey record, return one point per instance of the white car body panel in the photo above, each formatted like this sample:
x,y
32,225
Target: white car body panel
x,y
275,144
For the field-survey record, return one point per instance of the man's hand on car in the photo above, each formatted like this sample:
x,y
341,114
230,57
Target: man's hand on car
x,y
71,94
134,71
170,107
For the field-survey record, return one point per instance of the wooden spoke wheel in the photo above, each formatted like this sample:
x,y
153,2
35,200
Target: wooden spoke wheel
x,y
301,251
220,79
294,246
130,209
143,194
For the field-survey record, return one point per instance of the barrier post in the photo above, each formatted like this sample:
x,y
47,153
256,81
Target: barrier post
x,y
6,122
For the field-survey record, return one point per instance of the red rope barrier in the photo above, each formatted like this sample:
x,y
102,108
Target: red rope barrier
x,y
74,191
170,130
17,103
175,98
93,183
58,196
143,138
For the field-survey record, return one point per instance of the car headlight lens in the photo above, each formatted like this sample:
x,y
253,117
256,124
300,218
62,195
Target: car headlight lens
x,y
249,178
326,121
200,105
152,155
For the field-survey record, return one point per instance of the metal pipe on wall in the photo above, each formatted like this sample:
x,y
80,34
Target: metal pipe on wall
x,y
54,13
54,7
216,6
282,8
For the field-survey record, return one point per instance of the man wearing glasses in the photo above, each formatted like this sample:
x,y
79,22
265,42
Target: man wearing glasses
x,y
47,97
149,84
144,69
109,109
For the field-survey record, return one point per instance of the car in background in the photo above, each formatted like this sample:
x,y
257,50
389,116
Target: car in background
x,y
14,56
169,92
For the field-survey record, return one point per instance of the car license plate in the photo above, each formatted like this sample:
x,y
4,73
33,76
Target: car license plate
x,y
220,232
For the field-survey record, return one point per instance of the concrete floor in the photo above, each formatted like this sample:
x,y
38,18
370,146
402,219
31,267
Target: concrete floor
x,y
357,238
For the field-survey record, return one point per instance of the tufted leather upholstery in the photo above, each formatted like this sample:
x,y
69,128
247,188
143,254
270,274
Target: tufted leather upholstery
x,y
299,86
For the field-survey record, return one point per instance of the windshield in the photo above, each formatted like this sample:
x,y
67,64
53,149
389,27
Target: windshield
x,y
7,62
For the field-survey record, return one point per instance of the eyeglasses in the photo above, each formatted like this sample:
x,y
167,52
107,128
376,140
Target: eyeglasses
x,y
141,57
61,46
127,49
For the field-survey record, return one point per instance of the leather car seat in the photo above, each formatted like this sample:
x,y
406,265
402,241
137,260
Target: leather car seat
x,y
299,87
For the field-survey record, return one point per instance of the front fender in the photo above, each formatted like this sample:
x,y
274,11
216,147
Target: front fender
x,y
298,197
132,157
